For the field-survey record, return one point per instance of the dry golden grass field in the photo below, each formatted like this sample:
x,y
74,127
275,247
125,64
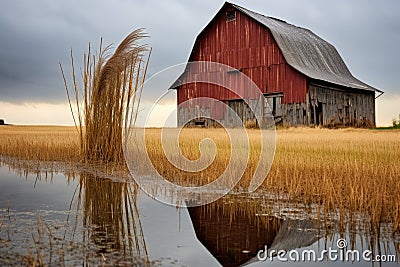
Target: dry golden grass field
x,y
46,143
343,170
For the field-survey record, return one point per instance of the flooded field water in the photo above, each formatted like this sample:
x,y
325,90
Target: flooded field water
x,y
68,218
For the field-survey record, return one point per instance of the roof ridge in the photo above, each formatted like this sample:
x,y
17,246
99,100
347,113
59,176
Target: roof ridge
x,y
274,18
255,12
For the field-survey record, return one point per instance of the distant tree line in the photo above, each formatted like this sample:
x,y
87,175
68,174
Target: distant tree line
x,y
396,122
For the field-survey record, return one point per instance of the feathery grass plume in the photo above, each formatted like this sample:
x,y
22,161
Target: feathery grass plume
x,y
112,87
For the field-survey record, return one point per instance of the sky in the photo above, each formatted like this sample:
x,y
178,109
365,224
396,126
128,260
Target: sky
x,y
37,35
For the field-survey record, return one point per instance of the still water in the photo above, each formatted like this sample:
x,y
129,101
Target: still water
x,y
61,219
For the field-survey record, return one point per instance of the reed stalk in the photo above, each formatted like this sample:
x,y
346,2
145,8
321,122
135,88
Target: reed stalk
x,y
112,85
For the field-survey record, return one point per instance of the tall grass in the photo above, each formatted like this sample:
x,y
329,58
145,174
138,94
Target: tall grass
x,y
40,143
112,87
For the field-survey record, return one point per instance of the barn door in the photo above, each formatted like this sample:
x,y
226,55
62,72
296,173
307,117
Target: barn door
x,y
239,107
320,113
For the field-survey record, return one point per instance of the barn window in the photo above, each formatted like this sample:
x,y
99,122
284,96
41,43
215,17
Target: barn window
x,y
274,101
230,15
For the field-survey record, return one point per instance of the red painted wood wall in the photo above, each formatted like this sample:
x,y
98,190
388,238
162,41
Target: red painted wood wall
x,y
249,46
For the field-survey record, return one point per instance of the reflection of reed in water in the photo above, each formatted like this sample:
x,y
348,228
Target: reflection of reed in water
x,y
111,215
101,226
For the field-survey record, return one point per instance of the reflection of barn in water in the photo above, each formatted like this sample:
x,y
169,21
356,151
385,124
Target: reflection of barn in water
x,y
234,236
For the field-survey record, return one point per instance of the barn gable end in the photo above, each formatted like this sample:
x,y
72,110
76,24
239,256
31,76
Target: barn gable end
x,y
248,46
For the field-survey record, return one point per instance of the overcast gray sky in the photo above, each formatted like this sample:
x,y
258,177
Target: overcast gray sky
x,y
36,35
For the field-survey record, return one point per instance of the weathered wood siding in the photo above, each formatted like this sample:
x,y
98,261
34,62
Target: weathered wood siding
x,y
341,107
294,114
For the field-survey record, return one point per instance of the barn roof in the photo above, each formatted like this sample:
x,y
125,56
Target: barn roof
x,y
307,52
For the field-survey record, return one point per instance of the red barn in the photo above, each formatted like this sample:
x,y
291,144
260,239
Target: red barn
x,y
303,77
